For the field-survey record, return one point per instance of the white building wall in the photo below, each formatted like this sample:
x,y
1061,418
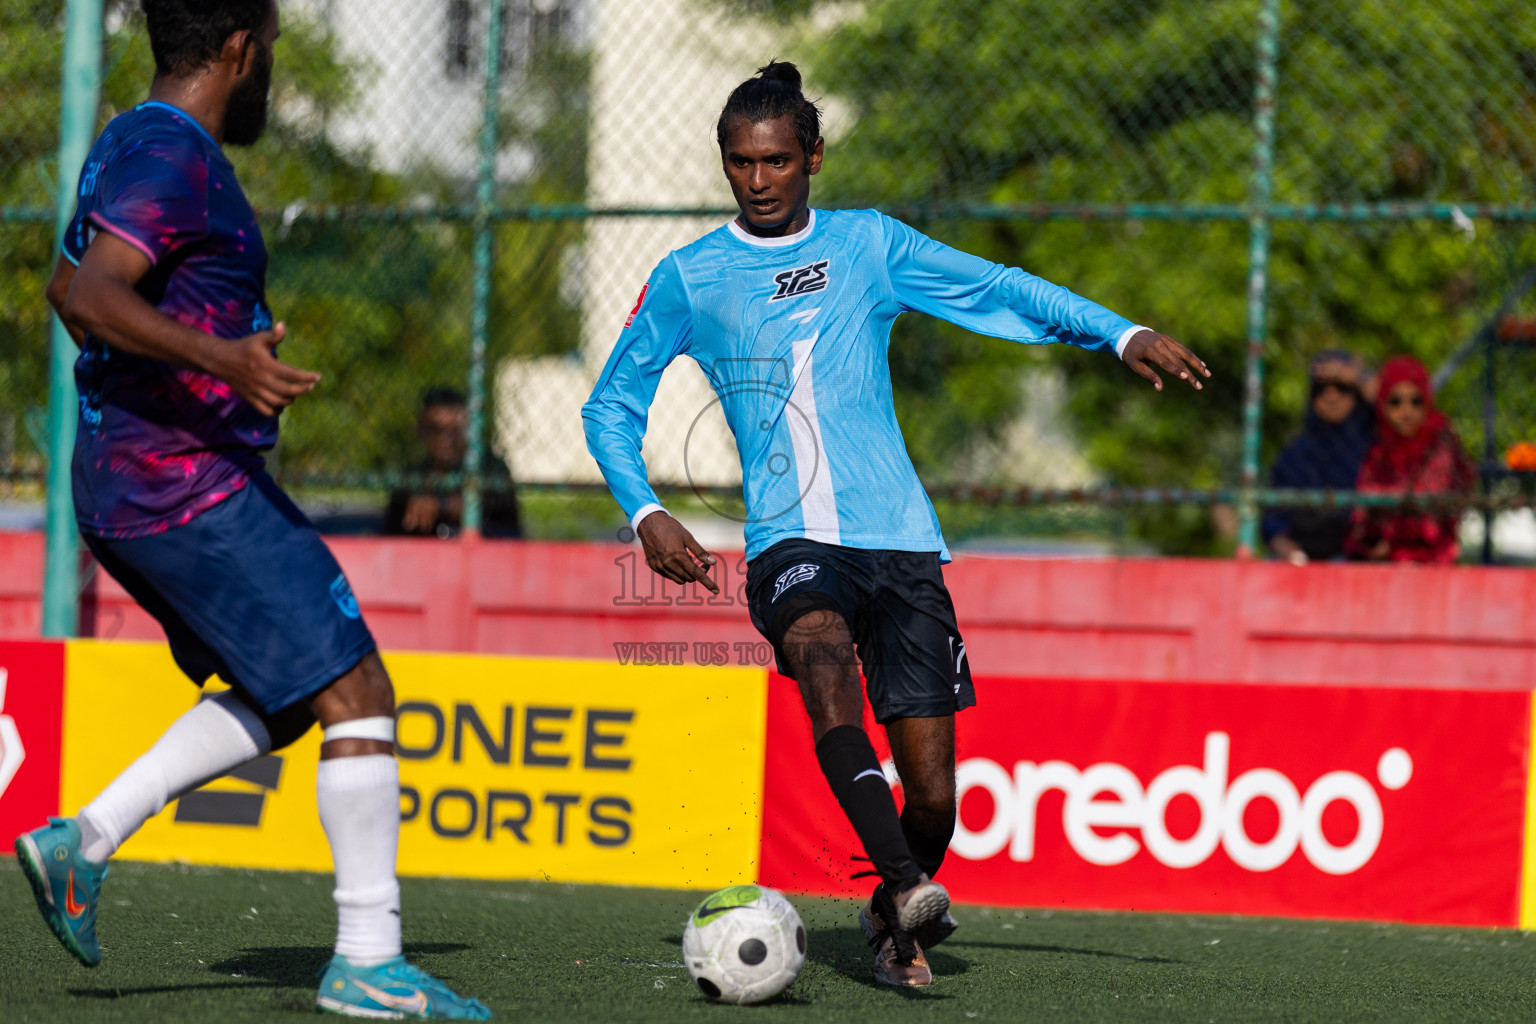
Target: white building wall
x,y
662,71
409,112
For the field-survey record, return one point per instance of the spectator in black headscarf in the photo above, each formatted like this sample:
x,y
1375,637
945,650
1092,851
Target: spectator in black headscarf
x,y
1327,455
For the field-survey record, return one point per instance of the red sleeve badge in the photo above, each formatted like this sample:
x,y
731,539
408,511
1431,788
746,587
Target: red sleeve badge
x,y
640,299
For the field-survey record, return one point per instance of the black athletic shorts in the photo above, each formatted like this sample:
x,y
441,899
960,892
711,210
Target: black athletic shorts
x,y
897,607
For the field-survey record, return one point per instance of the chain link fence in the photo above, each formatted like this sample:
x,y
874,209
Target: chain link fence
x,y
463,195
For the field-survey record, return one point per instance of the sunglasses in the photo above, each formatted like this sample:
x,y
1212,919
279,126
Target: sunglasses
x,y
1332,385
1399,400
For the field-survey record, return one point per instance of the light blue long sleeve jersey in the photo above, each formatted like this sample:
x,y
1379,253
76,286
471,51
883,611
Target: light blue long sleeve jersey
x,y
793,334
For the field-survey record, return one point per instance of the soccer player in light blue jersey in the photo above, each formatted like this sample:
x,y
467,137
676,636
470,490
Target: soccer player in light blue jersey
x,y
788,311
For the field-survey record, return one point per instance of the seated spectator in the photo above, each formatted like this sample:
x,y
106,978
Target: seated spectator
x,y
438,511
1327,455
1416,452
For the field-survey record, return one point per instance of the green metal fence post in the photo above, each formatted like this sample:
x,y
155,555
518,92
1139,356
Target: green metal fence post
x,y
1259,214
485,265
81,94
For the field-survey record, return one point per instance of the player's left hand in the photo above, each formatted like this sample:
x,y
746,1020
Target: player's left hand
x,y
1147,349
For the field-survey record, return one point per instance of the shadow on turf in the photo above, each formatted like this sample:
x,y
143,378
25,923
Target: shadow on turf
x,y
265,967
1024,947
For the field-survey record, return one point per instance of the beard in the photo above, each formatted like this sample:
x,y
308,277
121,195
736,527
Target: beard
x,y
246,116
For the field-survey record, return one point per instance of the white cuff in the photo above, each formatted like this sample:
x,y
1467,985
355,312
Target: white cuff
x,y
645,510
1126,336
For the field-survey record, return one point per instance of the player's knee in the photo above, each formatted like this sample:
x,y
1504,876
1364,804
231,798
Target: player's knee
x,y
818,645
363,692
832,698
288,725
816,621
931,800
380,690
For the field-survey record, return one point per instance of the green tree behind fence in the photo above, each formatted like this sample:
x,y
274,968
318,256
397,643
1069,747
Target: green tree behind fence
x,y
1109,145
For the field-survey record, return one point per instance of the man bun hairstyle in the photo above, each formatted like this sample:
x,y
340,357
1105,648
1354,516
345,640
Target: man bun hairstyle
x,y
185,35
774,92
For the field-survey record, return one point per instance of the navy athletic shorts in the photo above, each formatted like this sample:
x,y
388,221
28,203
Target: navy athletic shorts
x,y
247,591
896,606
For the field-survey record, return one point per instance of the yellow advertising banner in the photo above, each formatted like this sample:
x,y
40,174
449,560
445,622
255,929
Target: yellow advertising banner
x,y
510,768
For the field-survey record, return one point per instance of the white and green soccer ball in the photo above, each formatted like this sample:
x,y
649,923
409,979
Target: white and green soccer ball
x,y
744,944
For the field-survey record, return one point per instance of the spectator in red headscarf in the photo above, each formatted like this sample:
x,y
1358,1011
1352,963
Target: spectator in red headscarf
x,y
1416,452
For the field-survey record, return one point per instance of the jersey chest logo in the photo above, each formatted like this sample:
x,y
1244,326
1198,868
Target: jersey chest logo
x,y
801,281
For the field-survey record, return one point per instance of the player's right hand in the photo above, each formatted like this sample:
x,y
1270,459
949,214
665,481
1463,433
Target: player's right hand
x,y
671,551
252,368
1148,349
421,514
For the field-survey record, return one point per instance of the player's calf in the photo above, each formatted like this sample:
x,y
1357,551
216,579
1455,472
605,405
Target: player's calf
x,y
853,771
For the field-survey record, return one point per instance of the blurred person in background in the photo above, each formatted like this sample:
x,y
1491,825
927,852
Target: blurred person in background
x,y
436,510
1416,452
1327,455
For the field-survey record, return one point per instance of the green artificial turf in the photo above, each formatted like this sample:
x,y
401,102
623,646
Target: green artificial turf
x,y
201,944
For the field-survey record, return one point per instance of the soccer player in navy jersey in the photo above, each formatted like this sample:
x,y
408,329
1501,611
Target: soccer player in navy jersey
x,y
162,283
788,311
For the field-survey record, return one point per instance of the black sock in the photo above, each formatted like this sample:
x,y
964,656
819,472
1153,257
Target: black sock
x,y
853,772
927,843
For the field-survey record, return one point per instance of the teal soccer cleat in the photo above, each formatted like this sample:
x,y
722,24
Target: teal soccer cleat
x,y
392,990
66,885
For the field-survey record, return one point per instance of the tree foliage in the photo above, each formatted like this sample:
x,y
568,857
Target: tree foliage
x,y
379,305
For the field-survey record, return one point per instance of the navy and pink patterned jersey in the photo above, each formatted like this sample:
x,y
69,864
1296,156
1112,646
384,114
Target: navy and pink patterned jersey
x,y
159,444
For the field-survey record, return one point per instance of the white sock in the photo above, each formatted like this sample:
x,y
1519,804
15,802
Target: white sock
x,y
216,736
359,800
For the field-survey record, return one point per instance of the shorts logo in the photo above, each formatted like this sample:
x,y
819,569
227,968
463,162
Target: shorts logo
x,y
793,575
341,593
801,281
959,656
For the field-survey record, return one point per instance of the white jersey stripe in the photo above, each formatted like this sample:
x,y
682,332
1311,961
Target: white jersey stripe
x,y
818,504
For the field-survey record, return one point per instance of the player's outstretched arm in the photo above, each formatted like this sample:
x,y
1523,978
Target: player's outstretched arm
x,y
1148,349
671,551
101,299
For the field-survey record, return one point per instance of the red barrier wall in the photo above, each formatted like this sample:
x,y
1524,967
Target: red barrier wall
x,y
31,733
1150,619
21,586
1359,802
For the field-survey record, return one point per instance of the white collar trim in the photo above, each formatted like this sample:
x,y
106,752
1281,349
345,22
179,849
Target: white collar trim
x,y
773,243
